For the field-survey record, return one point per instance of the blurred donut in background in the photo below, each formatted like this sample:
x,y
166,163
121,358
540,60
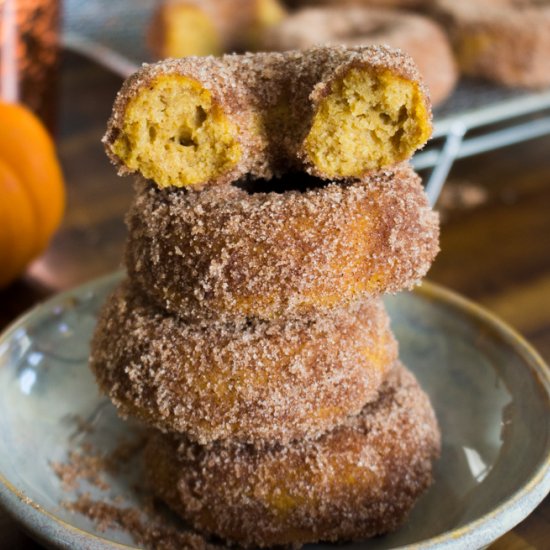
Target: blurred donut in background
x,y
180,28
416,35
505,41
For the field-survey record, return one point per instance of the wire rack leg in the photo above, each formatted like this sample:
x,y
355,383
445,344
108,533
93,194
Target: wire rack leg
x,y
445,161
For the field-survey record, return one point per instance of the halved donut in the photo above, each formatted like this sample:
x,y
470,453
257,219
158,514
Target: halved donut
x,y
336,112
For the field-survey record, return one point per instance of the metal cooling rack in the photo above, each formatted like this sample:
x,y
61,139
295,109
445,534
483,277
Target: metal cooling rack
x,y
477,118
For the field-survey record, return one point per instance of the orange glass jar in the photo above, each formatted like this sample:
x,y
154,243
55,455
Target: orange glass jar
x,y
29,54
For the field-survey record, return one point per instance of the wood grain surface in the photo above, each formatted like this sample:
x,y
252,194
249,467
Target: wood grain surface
x,y
495,239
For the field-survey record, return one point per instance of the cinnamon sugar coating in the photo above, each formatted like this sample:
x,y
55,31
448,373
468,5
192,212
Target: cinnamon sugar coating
x,y
357,481
270,381
335,112
355,25
223,253
506,41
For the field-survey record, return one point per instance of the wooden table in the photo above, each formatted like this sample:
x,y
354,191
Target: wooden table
x,y
496,252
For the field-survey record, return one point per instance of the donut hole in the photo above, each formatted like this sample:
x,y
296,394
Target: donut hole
x,y
293,181
368,121
176,134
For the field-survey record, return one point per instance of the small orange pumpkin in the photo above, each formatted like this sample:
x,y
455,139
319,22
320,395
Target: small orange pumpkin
x,y
32,192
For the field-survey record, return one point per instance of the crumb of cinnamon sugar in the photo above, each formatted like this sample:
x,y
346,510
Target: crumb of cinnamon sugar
x,y
81,465
89,465
148,528
144,523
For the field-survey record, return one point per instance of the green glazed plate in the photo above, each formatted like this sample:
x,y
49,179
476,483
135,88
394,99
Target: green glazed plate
x,y
490,391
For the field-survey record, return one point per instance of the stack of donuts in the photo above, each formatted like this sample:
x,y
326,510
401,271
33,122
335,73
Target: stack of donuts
x,y
274,206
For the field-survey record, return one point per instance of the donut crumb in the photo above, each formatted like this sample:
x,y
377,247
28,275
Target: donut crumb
x,y
147,527
148,524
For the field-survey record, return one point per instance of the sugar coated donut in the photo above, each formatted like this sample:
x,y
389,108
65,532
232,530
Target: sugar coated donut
x,y
357,481
227,252
506,41
271,381
180,28
336,112
355,26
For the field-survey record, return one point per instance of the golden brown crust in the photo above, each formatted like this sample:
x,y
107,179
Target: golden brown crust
x,y
225,253
270,381
357,481
270,97
354,25
506,41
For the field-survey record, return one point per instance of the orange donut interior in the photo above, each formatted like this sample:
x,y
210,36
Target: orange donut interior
x,y
176,134
368,121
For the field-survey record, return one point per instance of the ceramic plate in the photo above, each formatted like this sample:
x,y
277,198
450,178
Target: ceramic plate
x,y
490,391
